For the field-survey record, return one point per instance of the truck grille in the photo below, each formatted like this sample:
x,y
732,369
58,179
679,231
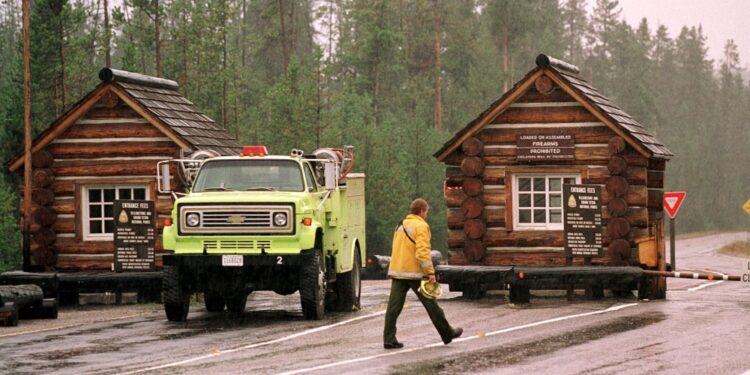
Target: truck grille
x,y
240,245
252,219
236,219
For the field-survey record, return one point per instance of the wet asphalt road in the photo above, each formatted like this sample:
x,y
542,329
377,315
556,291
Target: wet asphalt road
x,y
702,327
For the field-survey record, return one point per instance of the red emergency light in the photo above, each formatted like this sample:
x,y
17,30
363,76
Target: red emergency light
x,y
254,151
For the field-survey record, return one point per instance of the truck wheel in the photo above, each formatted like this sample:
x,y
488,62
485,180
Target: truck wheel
x,y
312,286
214,302
349,286
236,305
176,299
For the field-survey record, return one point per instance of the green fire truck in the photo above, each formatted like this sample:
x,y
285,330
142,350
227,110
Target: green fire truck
x,y
259,222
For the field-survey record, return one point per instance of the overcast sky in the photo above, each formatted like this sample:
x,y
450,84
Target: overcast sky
x,y
721,20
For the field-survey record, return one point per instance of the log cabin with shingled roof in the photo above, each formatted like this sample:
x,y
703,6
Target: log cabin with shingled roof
x,y
504,205
106,147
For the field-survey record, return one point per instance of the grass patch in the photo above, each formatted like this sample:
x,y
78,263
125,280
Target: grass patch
x,y
738,249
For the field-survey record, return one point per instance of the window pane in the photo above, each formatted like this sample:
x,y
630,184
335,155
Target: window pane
x,y
555,200
109,195
108,226
139,194
554,184
95,195
524,216
95,211
524,184
524,200
569,180
125,194
539,200
95,226
540,216
109,211
539,184
555,216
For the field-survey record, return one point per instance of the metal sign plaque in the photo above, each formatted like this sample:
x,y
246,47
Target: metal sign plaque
x,y
582,211
135,235
545,147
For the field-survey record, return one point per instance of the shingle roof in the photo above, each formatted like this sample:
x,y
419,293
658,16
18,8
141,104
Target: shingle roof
x,y
160,97
617,115
569,75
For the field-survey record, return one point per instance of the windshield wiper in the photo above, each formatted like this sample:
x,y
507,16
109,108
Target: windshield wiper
x,y
217,188
261,188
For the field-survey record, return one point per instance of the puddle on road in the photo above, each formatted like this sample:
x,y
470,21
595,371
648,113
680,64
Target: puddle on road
x,y
499,357
60,355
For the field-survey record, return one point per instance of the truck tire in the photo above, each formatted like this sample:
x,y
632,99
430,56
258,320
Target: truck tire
x,y
214,302
349,287
312,286
176,299
236,305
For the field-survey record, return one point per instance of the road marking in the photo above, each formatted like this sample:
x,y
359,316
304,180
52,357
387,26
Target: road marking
x,y
75,325
706,285
501,331
217,353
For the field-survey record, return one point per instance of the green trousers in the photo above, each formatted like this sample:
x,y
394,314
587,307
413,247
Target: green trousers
x,y
396,300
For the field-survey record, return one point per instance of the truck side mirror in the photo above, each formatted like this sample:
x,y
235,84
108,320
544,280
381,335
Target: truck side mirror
x,y
164,178
330,175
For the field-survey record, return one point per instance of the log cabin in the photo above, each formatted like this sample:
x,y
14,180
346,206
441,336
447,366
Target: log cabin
x,y
106,147
504,199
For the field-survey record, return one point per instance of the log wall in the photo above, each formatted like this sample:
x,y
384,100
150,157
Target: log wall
x,y
480,216
107,146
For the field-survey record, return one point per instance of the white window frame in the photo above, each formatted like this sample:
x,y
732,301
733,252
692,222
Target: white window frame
x,y
87,235
539,226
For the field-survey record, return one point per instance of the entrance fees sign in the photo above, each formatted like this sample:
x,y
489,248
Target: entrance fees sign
x,y
746,206
583,220
135,237
745,272
673,201
535,147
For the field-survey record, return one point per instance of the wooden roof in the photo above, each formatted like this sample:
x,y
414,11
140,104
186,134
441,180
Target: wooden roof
x,y
157,100
566,76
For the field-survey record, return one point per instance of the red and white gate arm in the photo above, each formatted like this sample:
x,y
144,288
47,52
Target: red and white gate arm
x,y
692,275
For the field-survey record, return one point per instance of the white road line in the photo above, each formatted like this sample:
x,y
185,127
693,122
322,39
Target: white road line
x,y
501,331
255,345
706,285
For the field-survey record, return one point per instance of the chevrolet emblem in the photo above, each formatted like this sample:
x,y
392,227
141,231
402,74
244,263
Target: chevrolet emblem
x,y
235,219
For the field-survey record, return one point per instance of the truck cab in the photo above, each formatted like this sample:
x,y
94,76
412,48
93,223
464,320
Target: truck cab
x,y
250,222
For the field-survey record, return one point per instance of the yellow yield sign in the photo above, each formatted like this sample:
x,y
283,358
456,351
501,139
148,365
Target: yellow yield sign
x,y
746,206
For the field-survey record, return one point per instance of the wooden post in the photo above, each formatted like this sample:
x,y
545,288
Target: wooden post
x,y
26,9
671,244
569,289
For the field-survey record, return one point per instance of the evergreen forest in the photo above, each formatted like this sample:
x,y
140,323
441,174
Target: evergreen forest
x,y
394,78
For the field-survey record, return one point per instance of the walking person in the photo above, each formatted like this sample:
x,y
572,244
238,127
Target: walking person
x,y
410,262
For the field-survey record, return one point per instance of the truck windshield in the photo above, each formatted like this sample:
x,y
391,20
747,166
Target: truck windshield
x,y
249,175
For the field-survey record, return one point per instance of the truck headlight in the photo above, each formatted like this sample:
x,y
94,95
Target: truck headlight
x,y
193,219
279,219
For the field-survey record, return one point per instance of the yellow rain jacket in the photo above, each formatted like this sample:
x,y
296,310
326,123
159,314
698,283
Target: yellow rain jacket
x,y
411,260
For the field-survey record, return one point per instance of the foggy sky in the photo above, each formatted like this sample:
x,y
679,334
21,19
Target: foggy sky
x,y
721,20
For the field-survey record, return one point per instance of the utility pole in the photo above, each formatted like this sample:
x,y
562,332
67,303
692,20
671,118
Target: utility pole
x,y
26,10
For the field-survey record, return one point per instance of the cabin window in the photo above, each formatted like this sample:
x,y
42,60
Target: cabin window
x,y
537,200
99,207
